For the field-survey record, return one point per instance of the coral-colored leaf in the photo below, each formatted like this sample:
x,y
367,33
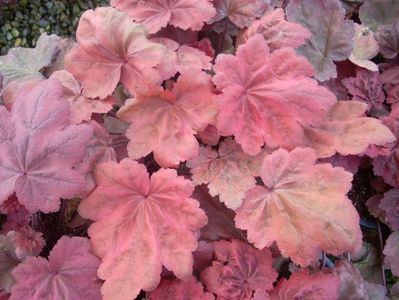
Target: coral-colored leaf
x,y
81,106
25,63
165,122
240,12
343,131
229,171
141,223
170,289
267,97
277,31
366,87
302,285
112,48
303,207
69,273
239,270
366,47
156,14
389,204
388,40
332,36
391,252
38,161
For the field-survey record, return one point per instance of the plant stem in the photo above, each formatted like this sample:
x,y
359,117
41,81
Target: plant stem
x,y
382,249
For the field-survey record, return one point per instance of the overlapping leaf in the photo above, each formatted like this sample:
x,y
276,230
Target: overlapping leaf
x,y
388,40
239,271
366,48
156,14
303,207
25,63
165,122
389,204
39,149
267,97
366,87
81,106
332,36
141,223
391,252
277,31
8,261
112,48
229,171
375,13
240,12
180,290
69,273
343,131
302,285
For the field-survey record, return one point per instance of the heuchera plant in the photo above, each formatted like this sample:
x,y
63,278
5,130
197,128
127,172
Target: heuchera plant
x,y
202,149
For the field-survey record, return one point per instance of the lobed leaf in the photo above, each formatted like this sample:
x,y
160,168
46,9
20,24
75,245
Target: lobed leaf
x,y
140,224
156,14
332,36
267,97
165,122
302,206
43,143
111,48
69,273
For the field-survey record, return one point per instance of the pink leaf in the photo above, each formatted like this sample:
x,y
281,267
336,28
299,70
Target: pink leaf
x,y
366,87
69,273
391,252
141,223
165,122
81,106
38,162
277,31
267,98
303,207
343,131
366,48
27,242
240,12
180,290
302,285
156,14
389,204
229,171
239,270
332,35
112,48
